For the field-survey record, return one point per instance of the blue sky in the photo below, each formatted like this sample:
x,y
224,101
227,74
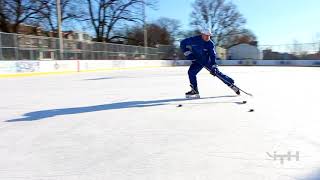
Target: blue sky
x,y
272,21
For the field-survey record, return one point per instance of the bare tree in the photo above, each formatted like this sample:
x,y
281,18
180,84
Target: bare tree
x,y
222,17
316,42
71,10
239,37
156,35
172,26
106,16
15,12
296,48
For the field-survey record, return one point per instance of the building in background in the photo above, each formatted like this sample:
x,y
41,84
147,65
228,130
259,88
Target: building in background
x,y
77,36
221,53
268,54
26,29
244,51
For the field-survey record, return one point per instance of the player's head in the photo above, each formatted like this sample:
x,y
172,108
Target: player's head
x,y
206,33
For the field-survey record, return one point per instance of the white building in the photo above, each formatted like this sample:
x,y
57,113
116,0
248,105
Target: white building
x,y
244,51
77,36
221,53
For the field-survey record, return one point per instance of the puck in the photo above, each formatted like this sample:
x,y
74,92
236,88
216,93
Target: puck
x,y
241,102
180,105
251,110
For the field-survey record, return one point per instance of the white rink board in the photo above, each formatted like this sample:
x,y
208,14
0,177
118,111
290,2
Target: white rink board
x,y
18,67
302,63
7,67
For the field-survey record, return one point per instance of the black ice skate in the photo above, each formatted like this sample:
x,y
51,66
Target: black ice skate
x,y
193,94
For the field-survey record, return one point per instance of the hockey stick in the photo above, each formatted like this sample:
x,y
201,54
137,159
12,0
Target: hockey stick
x,y
229,85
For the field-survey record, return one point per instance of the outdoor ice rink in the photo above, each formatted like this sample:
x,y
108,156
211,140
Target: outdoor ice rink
x,y
125,125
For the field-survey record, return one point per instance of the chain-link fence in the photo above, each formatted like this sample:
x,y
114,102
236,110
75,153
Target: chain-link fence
x,y
25,47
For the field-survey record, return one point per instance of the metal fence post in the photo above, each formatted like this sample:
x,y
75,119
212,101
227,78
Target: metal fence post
x,y
1,57
16,47
32,55
60,33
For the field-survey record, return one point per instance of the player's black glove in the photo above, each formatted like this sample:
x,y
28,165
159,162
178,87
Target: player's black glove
x,y
214,70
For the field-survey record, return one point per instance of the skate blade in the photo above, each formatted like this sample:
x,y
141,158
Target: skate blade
x,y
196,96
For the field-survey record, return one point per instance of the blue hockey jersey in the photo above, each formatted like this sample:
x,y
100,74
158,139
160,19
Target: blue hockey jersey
x,y
195,48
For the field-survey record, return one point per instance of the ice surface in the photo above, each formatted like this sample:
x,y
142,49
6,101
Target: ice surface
x,y
125,125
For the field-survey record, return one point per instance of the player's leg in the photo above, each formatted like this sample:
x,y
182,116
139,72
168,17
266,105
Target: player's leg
x,y
194,69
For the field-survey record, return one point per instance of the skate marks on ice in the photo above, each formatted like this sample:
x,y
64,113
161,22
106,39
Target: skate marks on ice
x,y
43,114
233,99
109,78
246,102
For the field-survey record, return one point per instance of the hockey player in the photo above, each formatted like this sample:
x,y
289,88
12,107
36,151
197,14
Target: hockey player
x,y
201,50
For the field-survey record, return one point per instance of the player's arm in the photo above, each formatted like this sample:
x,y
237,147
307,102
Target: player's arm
x,y
212,54
186,48
212,62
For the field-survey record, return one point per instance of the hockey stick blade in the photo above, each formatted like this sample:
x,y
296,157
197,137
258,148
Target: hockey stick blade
x,y
249,94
